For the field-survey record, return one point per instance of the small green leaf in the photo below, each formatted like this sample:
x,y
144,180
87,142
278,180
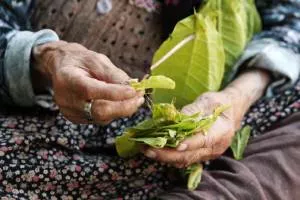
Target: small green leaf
x,y
125,147
195,174
240,142
153,82
157,142
165,112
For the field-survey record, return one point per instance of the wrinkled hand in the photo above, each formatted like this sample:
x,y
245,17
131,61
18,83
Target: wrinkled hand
x,y
79,75
202,147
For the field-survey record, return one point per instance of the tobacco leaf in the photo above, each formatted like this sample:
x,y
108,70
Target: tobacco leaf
x,y
197,66
153,82
240,142
194,175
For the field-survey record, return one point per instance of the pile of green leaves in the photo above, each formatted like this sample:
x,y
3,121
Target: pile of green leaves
x,y
167,128
201,51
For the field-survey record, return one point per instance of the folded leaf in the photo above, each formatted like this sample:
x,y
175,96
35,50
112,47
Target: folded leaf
x,y
232,25
195,174
153,82
157,142
125,147
240,142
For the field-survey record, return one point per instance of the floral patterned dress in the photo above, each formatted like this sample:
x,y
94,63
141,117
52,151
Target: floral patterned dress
x,y
44,156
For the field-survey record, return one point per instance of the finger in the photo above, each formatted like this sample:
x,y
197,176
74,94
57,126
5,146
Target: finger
x,y
107,110
215,135
92,89
105,70
178,158
195,142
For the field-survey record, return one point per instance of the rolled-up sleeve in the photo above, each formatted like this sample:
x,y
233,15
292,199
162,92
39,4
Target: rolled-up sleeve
x,y
277,47
17,63
16,43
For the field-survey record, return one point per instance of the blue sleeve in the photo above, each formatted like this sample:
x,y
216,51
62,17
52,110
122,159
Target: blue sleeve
x,y
277,47
16,43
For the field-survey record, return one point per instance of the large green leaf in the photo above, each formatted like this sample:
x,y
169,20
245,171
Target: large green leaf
x,y
196,66
254,22
232,25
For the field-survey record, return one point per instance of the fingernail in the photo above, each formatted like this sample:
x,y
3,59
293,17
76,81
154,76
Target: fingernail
x,y
150,154
141,100
141,93
130,91
182,147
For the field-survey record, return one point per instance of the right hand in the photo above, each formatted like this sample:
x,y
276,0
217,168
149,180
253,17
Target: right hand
x,y
79,75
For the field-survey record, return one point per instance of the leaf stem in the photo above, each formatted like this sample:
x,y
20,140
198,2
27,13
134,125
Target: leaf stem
x,y
173,50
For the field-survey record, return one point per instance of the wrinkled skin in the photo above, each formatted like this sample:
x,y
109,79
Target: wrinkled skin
x,y
239,96
78,75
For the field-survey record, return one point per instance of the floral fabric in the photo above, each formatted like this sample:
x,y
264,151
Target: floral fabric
x,y
44,156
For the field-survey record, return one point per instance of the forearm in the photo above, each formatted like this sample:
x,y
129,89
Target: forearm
x,y
246,89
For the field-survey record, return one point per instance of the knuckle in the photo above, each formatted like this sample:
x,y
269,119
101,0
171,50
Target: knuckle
x,y
102,57
102,112
185,160
215,153
87,93
208,141
129,108
76,46
197,156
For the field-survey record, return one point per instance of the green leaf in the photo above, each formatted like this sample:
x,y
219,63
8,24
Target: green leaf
x,y
157,142
125,147
238,21
232,25
165,112
197,64
195,174
240,142
153,82
254,21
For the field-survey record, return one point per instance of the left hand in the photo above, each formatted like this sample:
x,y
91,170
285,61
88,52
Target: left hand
x,y
202,147
245,90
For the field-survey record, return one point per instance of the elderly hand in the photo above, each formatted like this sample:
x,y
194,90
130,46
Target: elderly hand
x,y
202,147
79,75
240,95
